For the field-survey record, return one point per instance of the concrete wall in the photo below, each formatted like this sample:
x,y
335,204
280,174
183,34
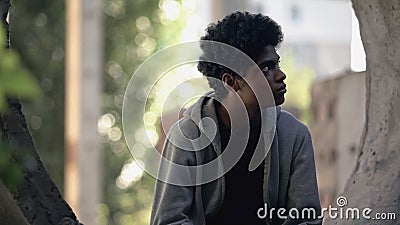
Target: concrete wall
x,y
351,114
338,107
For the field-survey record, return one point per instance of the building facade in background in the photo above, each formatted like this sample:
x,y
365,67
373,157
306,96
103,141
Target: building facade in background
x,y
317,33
338,107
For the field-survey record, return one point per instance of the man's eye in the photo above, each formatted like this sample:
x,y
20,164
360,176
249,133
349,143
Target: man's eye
x,y
271,66
265,69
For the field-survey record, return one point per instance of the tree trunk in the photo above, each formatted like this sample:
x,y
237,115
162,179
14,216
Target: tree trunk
x,y
83,86
37,197
375,180
9,211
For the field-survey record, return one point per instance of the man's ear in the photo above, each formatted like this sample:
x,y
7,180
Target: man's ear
x,y
230,81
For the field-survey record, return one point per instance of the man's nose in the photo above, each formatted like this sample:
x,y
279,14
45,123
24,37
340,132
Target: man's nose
x,y
280,75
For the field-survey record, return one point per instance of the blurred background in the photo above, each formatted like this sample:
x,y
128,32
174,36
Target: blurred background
x,y
83,53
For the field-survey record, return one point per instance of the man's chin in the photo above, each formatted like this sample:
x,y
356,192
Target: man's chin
x,y
280,100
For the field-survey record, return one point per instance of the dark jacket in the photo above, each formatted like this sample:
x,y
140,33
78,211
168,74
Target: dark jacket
x,y
289,171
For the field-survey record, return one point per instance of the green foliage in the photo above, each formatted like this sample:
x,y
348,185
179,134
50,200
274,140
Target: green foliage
x,y
11,172
37,34
133,31
15,80
298,80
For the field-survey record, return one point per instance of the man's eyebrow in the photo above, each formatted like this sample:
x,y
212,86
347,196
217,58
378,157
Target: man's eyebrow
x,y
268,62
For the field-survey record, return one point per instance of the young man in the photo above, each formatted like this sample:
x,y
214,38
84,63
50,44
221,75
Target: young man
x,y
286,179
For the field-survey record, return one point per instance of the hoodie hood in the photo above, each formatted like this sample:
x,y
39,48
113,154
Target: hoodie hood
x,y
194,112
205,107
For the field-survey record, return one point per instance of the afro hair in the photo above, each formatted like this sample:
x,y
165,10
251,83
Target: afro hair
x,y
248,32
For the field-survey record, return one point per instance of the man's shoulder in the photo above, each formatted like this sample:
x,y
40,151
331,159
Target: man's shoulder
x,y
292,133
184,126
288,123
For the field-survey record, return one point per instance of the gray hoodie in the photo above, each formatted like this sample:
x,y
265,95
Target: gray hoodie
x,y
289,172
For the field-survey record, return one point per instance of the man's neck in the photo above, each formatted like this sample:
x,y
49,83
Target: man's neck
x,y
223,115
254,118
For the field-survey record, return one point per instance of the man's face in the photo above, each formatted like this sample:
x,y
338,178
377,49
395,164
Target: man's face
x,y
268,62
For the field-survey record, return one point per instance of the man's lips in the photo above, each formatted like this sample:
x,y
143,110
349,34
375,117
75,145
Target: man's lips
x,y
281,90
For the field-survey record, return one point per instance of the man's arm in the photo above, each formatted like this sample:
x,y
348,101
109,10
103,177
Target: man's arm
x,y
172,204
303,190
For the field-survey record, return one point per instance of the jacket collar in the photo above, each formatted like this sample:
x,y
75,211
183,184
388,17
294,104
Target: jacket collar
x,y
205,107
